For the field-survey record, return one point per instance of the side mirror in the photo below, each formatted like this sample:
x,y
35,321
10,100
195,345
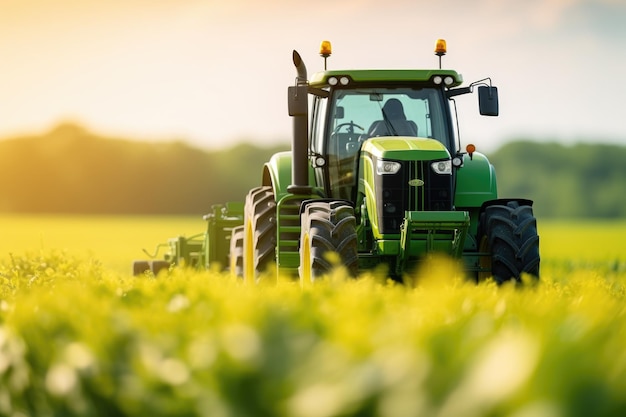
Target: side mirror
x,y
488,100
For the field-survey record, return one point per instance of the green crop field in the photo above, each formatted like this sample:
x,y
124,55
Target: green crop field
x,y
79,336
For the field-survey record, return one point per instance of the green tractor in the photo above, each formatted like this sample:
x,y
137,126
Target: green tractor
x,y
376,175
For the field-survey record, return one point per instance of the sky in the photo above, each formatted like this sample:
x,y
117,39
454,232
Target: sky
x,y
215,73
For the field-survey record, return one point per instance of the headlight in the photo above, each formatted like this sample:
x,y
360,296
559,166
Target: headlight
x,y
387,167
442,167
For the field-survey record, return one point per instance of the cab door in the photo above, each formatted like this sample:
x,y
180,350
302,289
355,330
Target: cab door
x,y
318,157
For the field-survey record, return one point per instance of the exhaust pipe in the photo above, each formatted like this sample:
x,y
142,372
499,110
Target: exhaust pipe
x,y
299,110
300,68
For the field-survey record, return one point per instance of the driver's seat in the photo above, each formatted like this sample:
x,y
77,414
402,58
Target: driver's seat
x,y
395,122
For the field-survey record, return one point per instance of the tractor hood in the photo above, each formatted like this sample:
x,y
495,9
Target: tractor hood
x,y
401,148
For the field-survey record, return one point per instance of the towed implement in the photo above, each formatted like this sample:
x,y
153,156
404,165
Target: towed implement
x,y
376,175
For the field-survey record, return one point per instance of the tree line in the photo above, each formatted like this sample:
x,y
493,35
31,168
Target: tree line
x,y
73,171
70,170
581,180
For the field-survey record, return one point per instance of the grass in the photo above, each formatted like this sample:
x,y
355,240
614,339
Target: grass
x,y
114,241
80,337
582,240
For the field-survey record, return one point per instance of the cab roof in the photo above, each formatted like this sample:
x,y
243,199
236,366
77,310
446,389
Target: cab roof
x,y
321,79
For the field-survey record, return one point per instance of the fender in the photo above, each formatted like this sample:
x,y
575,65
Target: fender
x,y
475,182
277,173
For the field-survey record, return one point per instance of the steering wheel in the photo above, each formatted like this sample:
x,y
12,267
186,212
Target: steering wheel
x,y
350,129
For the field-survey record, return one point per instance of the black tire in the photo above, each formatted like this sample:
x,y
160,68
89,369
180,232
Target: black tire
x,y
327,227
509,234
158,266
236,251
140,267
259,241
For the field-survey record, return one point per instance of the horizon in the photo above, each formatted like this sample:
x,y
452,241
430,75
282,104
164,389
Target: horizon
x,y
69,126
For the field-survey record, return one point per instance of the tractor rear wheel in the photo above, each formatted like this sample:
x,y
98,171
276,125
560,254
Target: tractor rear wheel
x,y
236,252
509,234
327,227
259,241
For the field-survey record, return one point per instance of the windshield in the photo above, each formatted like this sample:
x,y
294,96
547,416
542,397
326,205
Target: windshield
x,y
390,112
359,114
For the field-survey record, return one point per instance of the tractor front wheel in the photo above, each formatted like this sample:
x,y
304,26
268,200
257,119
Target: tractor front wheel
x,y
327,228
509,234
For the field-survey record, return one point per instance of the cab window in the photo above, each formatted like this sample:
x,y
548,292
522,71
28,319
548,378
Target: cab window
x,y
359,114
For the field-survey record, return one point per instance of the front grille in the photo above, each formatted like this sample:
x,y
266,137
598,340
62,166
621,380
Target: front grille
x,y
395,195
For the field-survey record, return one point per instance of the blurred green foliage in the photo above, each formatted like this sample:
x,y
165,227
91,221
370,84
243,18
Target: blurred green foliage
x,y
70,170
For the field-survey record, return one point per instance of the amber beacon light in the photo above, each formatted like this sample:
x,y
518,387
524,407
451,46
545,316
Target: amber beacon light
x,y
440,49
325,51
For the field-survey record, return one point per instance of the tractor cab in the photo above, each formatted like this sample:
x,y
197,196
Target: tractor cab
x,y
354,111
